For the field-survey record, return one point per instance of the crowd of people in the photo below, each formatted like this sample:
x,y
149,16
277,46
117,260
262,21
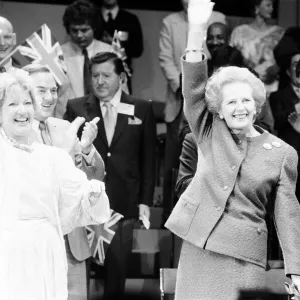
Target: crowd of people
x,y
73,153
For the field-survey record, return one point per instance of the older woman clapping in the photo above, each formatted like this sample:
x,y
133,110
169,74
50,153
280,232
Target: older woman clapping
x,y
243,173
42,196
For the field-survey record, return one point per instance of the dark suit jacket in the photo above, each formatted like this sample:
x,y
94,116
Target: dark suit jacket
x,y
126,21
188,164
282,104
130,159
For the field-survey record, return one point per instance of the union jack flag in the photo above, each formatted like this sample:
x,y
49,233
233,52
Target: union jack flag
x,y
100,236
42,48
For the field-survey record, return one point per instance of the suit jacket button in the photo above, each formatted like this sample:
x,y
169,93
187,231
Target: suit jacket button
x,y
219,208
225,187
105,173
109,154
233,168
258,230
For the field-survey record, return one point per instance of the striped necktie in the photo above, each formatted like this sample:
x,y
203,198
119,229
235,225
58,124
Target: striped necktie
x,y
44,134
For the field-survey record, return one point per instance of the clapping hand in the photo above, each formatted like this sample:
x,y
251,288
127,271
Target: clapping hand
x,y
199,11
70,138
294,120
89,134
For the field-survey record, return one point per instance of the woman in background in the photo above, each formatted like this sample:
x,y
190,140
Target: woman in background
x,y
42,197
257,40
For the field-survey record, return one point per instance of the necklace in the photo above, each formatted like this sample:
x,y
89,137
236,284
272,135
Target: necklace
x,y
13,142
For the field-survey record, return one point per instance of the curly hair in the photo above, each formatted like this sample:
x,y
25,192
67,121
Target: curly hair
x,y
9,80
80,12
226,75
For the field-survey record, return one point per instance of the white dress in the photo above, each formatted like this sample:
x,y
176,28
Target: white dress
x,y
52,199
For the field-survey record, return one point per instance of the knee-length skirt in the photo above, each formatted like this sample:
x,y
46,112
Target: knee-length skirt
x,y
207,275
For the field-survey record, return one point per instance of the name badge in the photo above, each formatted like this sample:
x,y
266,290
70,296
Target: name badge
x,y
125,109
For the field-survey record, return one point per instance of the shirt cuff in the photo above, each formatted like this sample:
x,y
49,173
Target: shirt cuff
x,y
88,158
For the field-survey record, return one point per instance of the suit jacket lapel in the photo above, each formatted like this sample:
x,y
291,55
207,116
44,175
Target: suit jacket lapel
x,y
122,120
93,111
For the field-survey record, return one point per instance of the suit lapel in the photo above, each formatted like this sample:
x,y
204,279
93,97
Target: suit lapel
x,y
122,120
93,111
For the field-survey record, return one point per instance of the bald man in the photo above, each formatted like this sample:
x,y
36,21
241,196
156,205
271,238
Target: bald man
x,y
7,42
217,36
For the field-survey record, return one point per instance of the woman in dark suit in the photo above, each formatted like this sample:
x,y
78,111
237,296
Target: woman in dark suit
x,y
245,172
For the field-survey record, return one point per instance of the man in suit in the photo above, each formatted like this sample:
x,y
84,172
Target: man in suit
x,y
52,131
80,20
126,141
286,102
128,27
172,44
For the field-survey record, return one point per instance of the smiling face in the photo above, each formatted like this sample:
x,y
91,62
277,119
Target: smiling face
x,y
238,107
216,36
7,38
81,35
17,113
45,92
105,80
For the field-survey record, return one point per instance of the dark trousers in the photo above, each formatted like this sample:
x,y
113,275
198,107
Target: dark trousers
x,y
116,261
171,157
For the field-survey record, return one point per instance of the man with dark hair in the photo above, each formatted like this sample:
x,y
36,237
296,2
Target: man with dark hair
x,y
126,142
80,19
286,101
128,27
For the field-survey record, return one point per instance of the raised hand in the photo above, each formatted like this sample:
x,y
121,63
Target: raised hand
x,y
294,120
71,138
199,11
89,133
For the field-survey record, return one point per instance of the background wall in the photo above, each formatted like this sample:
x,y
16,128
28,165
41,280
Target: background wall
x,y
148,80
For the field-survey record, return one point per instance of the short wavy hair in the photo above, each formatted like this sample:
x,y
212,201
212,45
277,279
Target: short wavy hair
x,y
9,80
232,74
80,12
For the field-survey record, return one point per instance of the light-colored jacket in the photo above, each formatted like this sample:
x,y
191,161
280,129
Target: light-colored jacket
x,y
172,43
74,61
209,214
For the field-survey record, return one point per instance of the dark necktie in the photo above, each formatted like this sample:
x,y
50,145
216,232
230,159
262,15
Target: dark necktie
x,y
44,134
86,72
110,24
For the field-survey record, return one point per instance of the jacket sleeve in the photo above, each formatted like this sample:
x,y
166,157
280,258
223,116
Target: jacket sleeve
x,y
135,45
193,82
188,164
148,147
166,58
279,111
287,213
93,165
